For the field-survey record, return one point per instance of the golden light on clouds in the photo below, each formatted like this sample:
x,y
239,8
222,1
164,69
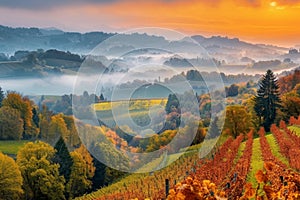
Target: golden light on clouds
x,y
257,21
273,4
260,21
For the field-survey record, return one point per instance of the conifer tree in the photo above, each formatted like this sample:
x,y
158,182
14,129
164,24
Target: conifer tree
x,y
267,100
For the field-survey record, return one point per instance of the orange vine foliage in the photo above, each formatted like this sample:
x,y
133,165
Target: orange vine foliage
x,y
195,189
294,121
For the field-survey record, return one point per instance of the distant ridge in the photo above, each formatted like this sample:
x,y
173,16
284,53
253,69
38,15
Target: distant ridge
x,y
222,48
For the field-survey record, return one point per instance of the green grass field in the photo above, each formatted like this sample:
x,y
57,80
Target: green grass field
x,y
275,149
257,162
11,146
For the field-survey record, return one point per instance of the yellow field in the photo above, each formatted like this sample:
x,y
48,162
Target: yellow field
x,y
135,104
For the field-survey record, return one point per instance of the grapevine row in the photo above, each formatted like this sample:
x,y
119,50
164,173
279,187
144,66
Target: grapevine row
x,y
287,147
269,157
237,179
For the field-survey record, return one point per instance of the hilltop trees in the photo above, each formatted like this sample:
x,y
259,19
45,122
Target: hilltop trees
x,y
267,100
10,179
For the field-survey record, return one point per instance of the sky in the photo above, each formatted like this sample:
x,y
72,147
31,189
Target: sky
x,y
256,21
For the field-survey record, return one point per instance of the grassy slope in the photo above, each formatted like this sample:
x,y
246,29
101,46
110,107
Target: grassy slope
x,y
256,162
275,149
11,146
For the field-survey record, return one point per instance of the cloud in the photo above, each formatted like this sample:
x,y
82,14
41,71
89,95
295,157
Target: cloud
x,y
48,4
287,2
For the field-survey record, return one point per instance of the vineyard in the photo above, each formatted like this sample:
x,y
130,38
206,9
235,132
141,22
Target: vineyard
x,y
266,167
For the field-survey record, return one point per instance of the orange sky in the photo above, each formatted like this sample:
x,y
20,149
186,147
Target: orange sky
x,y
275,22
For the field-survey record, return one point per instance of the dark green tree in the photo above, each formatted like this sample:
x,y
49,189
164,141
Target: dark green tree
x,y
232,91
35,117
101,97
214,130
1,96
172,104
267,100
63,158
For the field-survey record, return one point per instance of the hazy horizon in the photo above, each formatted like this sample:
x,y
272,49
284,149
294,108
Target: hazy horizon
x,y
260,21
120,31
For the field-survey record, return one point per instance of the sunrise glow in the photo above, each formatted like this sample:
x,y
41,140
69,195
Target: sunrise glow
x,y
274,22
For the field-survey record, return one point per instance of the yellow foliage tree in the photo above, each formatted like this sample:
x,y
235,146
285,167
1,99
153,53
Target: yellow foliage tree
x,y
10,179
40,174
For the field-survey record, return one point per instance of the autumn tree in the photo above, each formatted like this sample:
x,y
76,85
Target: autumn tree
x,y
24,106
267,100
10,179
89,165
40,173
287,83
11,124
237,120
72,140
290,104
57,128
82,172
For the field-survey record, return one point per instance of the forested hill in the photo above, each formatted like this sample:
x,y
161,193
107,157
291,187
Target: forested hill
x,y
14,39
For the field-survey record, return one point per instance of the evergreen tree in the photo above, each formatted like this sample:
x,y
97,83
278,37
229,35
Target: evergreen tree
x,y
35,117
214,130
267,100
63,158
101,97
172,103
1,96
